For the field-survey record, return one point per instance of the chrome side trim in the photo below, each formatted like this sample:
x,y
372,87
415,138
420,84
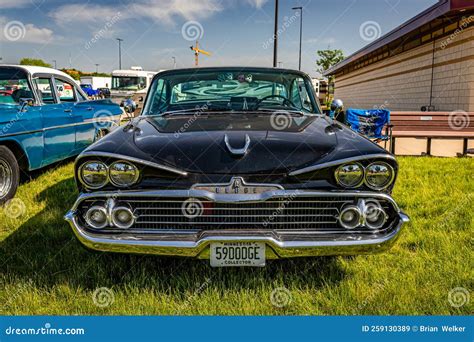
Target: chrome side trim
x,y
342,161
130,159
85,122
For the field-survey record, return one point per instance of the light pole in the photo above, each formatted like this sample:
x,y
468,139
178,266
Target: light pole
x,y
301,31
275,36
97,68
120,40
54,61
174,62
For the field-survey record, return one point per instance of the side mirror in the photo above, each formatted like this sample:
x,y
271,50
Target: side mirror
x,y
337,106
129,106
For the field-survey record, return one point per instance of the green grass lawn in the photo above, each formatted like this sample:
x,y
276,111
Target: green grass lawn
x,y
45,270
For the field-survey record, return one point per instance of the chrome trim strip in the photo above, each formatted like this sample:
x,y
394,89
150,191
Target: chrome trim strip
x,y
237,151
223,198
130,159
86,122
341,161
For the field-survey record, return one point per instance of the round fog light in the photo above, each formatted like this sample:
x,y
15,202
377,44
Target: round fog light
x,y
122,217
375,217
96,217
350,217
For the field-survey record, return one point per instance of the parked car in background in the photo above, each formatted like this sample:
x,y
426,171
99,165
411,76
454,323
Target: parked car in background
x,y
235,165
45,117
91,92
104,92
131,84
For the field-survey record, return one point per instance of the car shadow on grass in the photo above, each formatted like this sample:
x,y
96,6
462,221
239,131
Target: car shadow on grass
x,y
45,251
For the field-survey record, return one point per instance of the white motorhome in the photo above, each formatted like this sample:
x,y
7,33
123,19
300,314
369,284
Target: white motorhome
x,y
132,83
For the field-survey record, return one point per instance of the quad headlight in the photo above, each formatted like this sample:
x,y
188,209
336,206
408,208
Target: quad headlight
x,y
96,174
93,174
379,175
350,175
123,174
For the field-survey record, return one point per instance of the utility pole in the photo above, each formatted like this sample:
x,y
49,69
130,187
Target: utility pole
x,y
275,36
174,62
97,68
301,31
120,40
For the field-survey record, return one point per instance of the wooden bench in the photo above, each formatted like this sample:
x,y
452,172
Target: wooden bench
x,y
432,125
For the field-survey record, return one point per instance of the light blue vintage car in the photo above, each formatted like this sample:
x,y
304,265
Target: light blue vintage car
x,y
45,117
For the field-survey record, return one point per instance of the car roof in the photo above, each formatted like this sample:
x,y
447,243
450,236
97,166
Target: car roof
x,y
31,69
233,69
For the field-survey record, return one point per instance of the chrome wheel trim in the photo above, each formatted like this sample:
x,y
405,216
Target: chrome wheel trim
x,y
6,178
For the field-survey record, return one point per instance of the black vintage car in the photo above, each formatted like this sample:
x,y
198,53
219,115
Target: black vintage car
x,y
236,165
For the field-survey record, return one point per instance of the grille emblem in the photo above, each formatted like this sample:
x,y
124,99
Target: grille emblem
x,y
237,186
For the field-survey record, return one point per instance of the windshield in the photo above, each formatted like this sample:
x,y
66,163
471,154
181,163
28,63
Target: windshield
x,y
128,83
242,90
13,86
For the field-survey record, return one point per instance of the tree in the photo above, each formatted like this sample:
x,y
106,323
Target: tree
x,y
34,61
327,59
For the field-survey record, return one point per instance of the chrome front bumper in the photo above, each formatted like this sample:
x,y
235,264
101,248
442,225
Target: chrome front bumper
x,y
281,244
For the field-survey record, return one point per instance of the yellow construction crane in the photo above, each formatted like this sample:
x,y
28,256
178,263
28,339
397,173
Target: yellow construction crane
x,y
197,51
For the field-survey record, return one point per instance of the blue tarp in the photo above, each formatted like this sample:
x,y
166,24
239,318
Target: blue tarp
x,y
368,122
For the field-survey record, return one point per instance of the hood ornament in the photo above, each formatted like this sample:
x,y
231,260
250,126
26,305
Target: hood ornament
x,y
237,151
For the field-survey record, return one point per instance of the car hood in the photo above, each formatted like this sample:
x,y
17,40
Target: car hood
x,y
204,143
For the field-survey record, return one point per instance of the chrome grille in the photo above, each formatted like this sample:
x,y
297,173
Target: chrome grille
x,y
282,213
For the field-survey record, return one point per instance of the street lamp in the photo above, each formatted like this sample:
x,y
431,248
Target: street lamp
x,y
54,61
275,36
301,31
120,40
97,68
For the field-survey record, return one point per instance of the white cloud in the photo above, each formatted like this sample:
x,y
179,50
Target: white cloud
x,y
17,31
83,13
14,3
257,3
164,11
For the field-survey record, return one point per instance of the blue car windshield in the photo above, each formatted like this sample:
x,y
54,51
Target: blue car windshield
x,y
13,86
232,89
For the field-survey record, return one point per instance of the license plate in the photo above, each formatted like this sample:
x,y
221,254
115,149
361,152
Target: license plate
x,y
235,254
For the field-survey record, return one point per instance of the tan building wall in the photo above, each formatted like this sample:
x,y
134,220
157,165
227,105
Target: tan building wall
x,y
403,82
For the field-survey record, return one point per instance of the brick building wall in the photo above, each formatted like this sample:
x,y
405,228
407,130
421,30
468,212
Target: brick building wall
x,y
403,82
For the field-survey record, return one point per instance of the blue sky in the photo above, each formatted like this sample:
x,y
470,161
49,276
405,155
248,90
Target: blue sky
x,y
236,32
